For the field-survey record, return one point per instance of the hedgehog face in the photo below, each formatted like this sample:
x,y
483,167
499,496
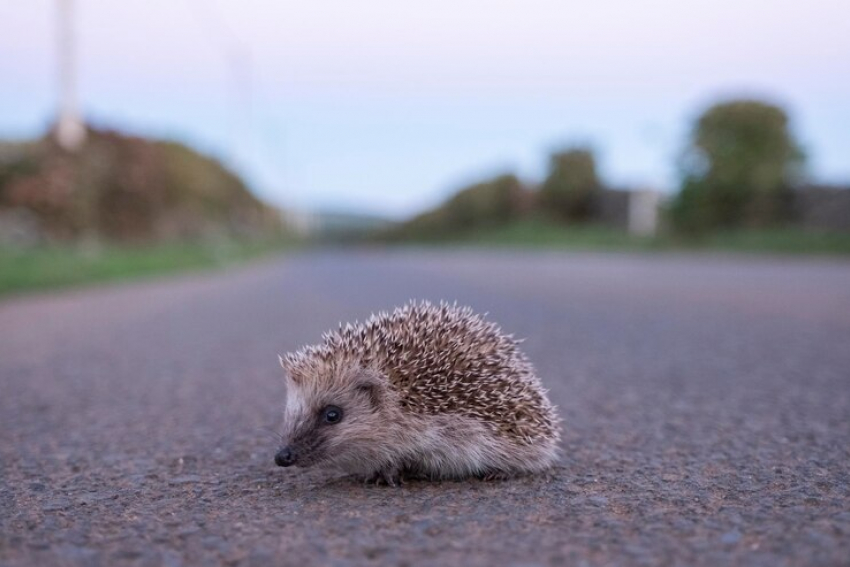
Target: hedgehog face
x,y
331,417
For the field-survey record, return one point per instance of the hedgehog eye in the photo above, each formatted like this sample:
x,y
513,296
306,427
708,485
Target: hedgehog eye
x,y
332,414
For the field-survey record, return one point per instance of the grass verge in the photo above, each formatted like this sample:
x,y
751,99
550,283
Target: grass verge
x,y
535,233
63,266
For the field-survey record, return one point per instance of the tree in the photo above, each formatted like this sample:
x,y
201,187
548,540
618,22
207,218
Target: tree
x,y
572,184
738,168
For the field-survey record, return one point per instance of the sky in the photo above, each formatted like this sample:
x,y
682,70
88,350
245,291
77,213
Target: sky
x,y
387,107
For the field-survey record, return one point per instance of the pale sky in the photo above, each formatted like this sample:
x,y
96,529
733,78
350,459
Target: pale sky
x,y
387,106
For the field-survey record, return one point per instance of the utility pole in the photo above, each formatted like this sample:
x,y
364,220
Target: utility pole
x,y
70,130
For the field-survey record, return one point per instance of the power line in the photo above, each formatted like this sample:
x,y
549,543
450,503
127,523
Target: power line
x,y
238,62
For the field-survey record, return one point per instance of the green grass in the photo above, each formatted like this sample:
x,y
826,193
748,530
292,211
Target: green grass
x,y
779,241
52,267
534,233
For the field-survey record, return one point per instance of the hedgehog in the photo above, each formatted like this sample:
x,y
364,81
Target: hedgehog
x,y
430,391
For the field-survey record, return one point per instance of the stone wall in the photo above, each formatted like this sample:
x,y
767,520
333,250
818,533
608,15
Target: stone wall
x,y
612,208
635,211
821,207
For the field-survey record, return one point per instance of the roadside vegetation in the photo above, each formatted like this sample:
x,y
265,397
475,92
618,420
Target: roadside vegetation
x,y
742,188
542,233
121,207
47,267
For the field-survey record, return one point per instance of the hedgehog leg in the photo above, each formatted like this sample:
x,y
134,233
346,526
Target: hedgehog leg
x,y
494,475
387,476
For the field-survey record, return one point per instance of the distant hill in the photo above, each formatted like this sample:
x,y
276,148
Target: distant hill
x,y
491,203
124,188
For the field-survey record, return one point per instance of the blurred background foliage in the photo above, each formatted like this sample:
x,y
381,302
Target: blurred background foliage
x,y
742,173
118,188
571,189
122,206
739,169
69,216
483,205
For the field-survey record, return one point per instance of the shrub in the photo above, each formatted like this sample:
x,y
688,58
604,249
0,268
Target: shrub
x,y
571,187
738,168
490,203
125,188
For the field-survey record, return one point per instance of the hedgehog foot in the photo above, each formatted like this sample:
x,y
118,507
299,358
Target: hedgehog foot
x,y
386,477
494,476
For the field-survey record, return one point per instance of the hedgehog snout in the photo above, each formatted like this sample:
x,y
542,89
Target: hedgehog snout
x,y
285,457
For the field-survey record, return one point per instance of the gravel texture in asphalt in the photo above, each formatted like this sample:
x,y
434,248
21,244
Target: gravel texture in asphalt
x,y
706,407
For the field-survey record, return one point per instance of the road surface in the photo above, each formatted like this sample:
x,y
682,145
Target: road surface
x,y
706,406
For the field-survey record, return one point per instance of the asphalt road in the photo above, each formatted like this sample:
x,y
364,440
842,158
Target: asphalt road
x,y
706,406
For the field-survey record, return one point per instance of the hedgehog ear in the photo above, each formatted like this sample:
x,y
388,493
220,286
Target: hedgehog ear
x,y
373,387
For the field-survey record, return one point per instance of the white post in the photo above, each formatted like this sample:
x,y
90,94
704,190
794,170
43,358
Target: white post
x,y
70,130
643,212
